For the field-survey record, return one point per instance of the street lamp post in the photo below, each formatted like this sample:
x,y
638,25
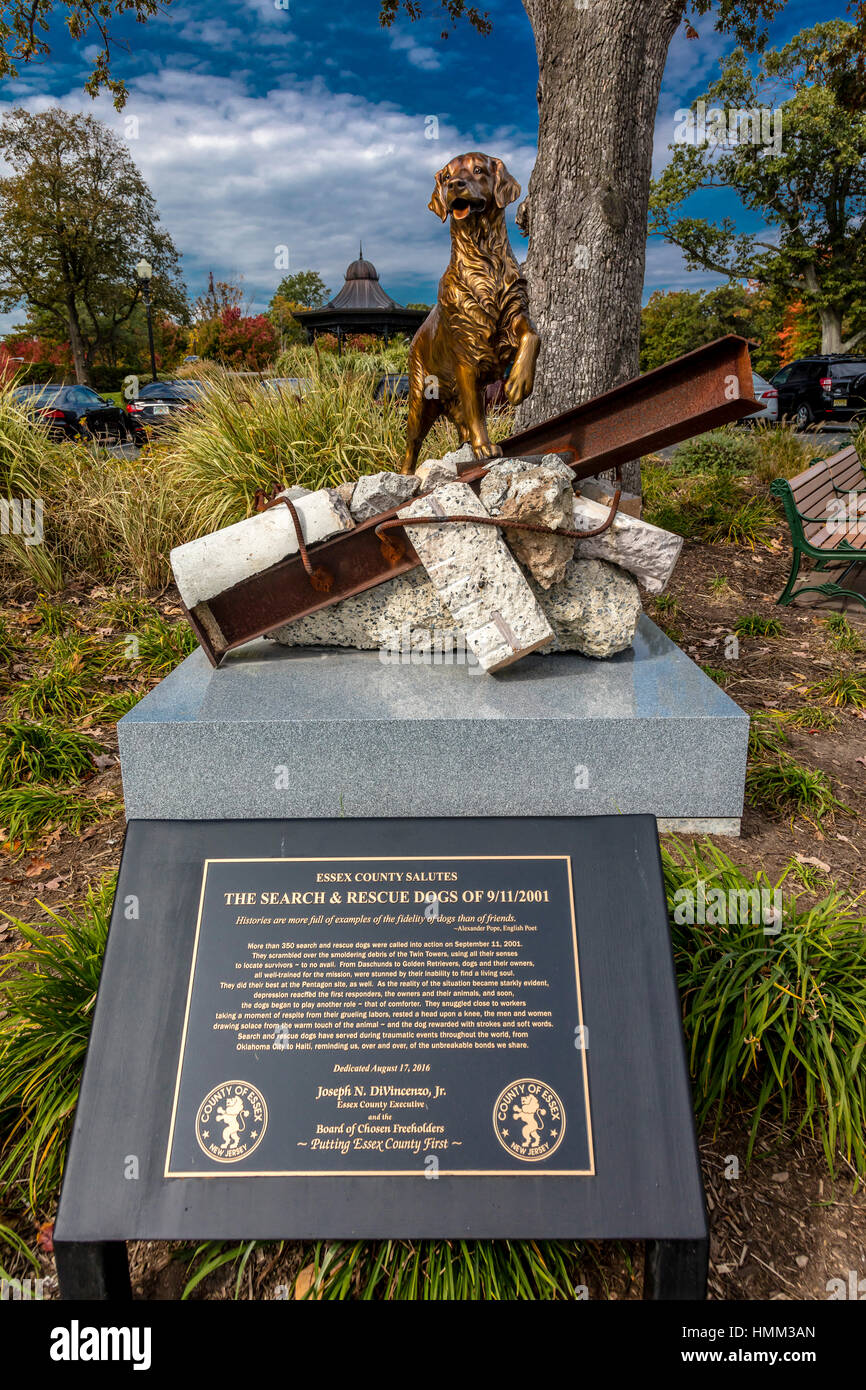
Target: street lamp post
x,y
144,271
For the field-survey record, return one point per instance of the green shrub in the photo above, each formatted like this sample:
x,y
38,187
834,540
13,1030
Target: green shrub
x,y
724,450
765,735
774,1021
720,674
58,693
54,618
744,523
160,645
809,717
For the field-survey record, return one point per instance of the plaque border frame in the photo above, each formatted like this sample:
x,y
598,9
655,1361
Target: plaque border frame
x,y
525,1170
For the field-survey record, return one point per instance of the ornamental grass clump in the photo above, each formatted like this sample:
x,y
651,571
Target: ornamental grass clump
x,y
43,753
774,999
29,811
47,994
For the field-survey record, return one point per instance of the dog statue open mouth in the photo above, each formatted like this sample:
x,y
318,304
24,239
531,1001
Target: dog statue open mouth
x,y
479,329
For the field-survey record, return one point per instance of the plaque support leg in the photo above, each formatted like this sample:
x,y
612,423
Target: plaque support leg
x,y
676,1269
94,1271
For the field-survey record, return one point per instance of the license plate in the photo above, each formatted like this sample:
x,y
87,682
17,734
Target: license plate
x,y
159,409
840,400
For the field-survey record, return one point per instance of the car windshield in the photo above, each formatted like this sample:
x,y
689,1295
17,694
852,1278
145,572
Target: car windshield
x,y
170,391
37,394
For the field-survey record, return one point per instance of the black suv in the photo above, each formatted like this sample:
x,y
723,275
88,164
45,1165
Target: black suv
x,y
813,390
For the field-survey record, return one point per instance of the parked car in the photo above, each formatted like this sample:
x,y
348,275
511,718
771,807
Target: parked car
x,y
824,388
158,401
72,411
765,392
392,387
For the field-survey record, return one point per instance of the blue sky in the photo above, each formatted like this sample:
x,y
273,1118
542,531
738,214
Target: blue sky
x,y
262,124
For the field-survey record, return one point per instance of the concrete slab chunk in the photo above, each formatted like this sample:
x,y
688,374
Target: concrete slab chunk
x,y
477,578
646,551
208,566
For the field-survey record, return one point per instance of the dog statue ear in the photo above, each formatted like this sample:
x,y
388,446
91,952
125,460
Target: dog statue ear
x,y
437,202
505,188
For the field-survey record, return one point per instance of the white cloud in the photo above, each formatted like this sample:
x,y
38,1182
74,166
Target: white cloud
x,y
420,55
237,175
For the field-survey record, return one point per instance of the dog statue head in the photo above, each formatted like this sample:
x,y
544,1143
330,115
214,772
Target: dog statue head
x,y
471,185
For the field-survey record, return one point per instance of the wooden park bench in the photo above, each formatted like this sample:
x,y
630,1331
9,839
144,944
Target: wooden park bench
x,y
826,512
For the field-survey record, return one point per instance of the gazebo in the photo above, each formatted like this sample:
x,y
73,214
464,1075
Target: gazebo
x,y
361,306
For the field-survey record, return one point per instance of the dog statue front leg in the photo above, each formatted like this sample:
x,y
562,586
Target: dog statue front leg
x,y
521,378
472,411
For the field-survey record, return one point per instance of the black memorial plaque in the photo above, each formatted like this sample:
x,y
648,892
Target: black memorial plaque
x,y
542,999
383,1017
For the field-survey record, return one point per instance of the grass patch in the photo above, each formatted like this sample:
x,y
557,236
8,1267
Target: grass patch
x,y
116,706
38,566
773,1021
841,634
667,603
470,1271
809,717
720,585
781,786
8,645
765,735
29,811
43,753
47,993
719,674
753,625
708,506
59,693
842,689
159,646
54,618
126,613
749,523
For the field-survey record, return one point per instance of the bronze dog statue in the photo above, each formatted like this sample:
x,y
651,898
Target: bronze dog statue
x,y
480,326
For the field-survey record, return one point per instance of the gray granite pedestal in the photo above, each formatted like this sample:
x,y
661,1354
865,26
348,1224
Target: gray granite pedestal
x,y
281,732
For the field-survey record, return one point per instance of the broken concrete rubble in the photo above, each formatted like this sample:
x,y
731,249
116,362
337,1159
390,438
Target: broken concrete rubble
x,y
539,493
477,578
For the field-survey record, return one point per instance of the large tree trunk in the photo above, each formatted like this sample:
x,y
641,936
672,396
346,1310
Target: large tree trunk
x,y
76,344
600,70
831,330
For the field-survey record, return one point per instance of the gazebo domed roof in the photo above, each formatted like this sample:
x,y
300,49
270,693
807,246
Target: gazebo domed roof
x,y
361,269
361,289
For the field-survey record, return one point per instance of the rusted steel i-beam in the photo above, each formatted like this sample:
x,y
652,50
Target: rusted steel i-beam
x,y
709,387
